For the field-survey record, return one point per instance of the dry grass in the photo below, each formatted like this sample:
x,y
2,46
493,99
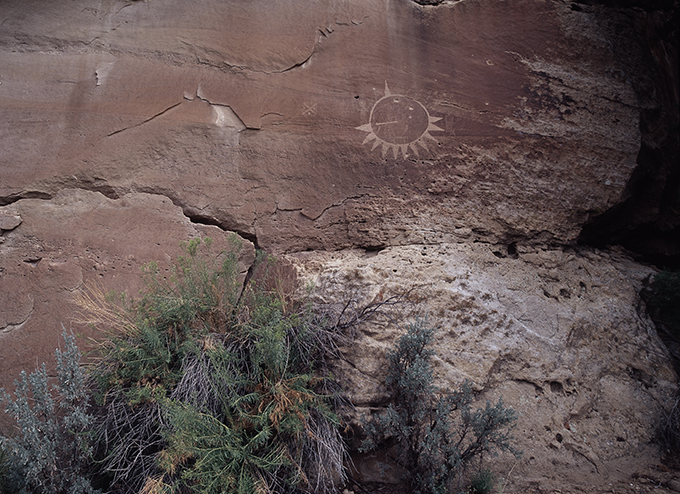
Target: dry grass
x,y
103,310
218,372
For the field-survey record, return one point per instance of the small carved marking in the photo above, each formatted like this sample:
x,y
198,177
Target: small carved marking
x,y
309,109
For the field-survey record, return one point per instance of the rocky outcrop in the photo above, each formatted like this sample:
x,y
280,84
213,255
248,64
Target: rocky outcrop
x,y
558,333
461,147
647,221
363,124
79,240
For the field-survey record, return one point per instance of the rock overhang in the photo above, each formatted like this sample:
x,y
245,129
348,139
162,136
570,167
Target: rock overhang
x,y
371,124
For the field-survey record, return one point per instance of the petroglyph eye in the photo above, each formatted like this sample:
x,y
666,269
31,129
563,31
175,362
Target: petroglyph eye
x,y
399,122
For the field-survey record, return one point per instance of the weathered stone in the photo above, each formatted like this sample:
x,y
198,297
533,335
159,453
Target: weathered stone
x,y
558,333
413,131
378,123
81,239
674,485
9,219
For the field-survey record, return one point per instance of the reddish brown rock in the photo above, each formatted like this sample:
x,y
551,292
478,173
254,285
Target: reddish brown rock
x,y
130,126
508,118
81,239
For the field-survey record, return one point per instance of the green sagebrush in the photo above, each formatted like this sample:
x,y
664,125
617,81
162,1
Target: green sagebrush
x,y
481,482
435,436
50,454
211,387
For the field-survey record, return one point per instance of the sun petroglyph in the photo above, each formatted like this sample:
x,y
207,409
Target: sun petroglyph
x,y
399,123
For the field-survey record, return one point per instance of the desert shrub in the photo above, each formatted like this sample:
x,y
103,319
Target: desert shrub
x,y
51,452
481,482
670,432
208,387
662,297
435,435
664,302
5,472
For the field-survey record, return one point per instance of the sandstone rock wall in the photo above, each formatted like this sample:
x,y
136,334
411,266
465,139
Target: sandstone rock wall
x,y
559,334
80,240
377,145
510,119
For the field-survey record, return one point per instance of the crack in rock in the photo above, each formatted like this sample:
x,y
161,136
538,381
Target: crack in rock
x,y
203,219
331,206
224,115
31,194
299,64
90,185
144,121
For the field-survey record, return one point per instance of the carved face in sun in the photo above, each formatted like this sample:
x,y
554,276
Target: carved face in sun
x,y
398,123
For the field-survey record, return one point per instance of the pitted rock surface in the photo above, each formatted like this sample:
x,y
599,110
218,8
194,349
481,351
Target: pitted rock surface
x,y
559,334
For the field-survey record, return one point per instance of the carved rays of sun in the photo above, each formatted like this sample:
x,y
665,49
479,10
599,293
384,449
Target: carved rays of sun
x,y
399,123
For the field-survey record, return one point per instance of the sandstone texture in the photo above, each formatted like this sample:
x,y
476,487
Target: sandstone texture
x,y
511,119
460,149
81,240
559,334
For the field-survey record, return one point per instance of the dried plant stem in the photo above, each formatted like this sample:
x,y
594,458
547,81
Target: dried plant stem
x,y
507,477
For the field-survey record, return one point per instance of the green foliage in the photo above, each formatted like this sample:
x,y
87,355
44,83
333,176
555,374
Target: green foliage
x,y
482,482
5,472
670,432
200,297
435,437
51,452
214,388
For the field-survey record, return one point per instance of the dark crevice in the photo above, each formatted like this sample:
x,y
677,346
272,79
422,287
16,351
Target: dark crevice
x,y
374,249
646,221
429,2
4,201
197,217
200,219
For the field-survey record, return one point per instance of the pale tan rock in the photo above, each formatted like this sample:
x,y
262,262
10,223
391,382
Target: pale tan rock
x,y
557,333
